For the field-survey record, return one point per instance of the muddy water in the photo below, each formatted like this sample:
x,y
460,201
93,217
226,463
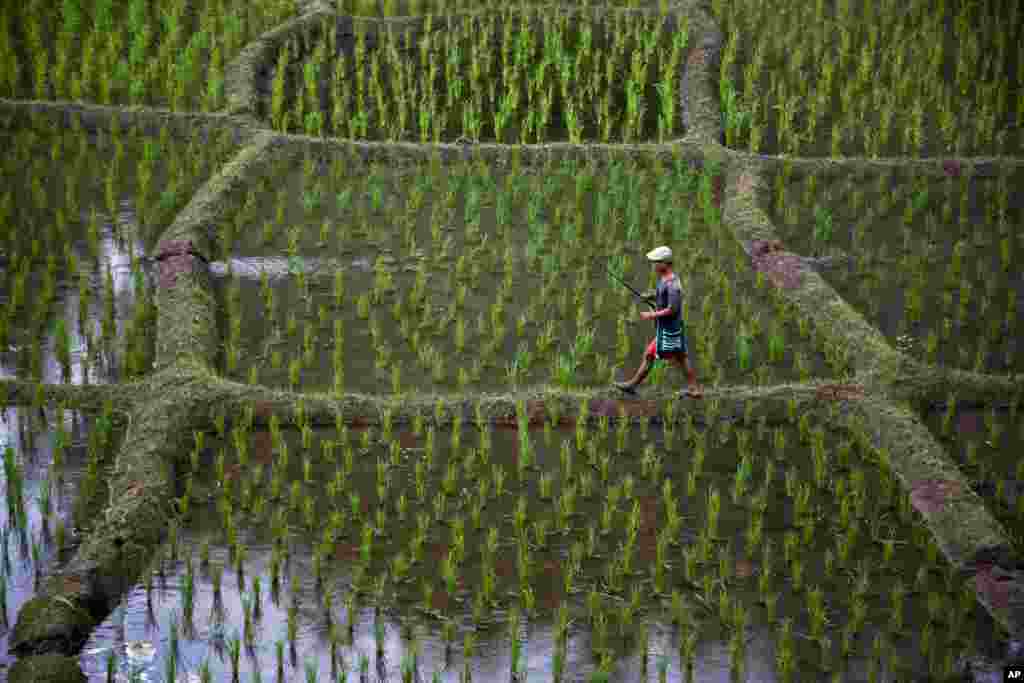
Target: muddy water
x,y
400,611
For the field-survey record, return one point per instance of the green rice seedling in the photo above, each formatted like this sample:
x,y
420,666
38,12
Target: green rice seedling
x,y
713,509
540,528
525,456
12,476
111,666
498,476
565,461
3,596
545,486
896,605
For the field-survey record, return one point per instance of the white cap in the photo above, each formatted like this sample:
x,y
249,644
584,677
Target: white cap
x,y
660,254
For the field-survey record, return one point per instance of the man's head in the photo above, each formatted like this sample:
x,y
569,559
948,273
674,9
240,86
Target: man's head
x,y
661,257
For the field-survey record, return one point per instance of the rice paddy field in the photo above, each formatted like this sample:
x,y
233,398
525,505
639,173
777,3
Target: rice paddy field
x,y
74,285
54,473
522,75
872,79
615,540
141,52
930,261
405,8
622,553
457,279
986,444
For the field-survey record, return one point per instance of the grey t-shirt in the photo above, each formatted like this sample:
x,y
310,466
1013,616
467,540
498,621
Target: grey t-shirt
x,y
669,294
669,328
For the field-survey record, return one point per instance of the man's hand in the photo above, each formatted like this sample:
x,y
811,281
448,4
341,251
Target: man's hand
x,y
647,315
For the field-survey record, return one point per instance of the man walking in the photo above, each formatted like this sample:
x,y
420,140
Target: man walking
x,y
669,341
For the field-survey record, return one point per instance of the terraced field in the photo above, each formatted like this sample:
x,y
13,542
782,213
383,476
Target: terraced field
x,y
308,374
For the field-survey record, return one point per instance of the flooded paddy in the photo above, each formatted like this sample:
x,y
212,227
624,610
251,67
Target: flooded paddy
x,y
633,554
428,281
81,211
662,550
988,447
518,74
171,54
870,79
934,263
53,476
404,8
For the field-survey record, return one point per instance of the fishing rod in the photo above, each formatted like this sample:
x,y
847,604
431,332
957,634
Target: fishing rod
x,y
638,295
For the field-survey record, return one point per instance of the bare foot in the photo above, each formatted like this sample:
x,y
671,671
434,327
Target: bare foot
x,y
626,388
694,392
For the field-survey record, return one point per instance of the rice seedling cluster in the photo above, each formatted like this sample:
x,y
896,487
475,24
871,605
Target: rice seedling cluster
x,y
877,78
932,262
436,550
169,54
423,279
518,75
404,8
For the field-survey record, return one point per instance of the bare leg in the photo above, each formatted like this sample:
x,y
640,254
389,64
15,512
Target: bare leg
x,y
691,376
641,373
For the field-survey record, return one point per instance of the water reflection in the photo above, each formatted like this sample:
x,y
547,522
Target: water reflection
x,y
28,545
137,619
276,267
214,627
116,255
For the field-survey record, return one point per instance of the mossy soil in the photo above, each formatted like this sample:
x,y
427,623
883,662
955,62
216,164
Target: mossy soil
x,y
876,250
48,669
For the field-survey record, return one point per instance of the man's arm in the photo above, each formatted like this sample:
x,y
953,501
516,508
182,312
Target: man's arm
x,y
675,303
